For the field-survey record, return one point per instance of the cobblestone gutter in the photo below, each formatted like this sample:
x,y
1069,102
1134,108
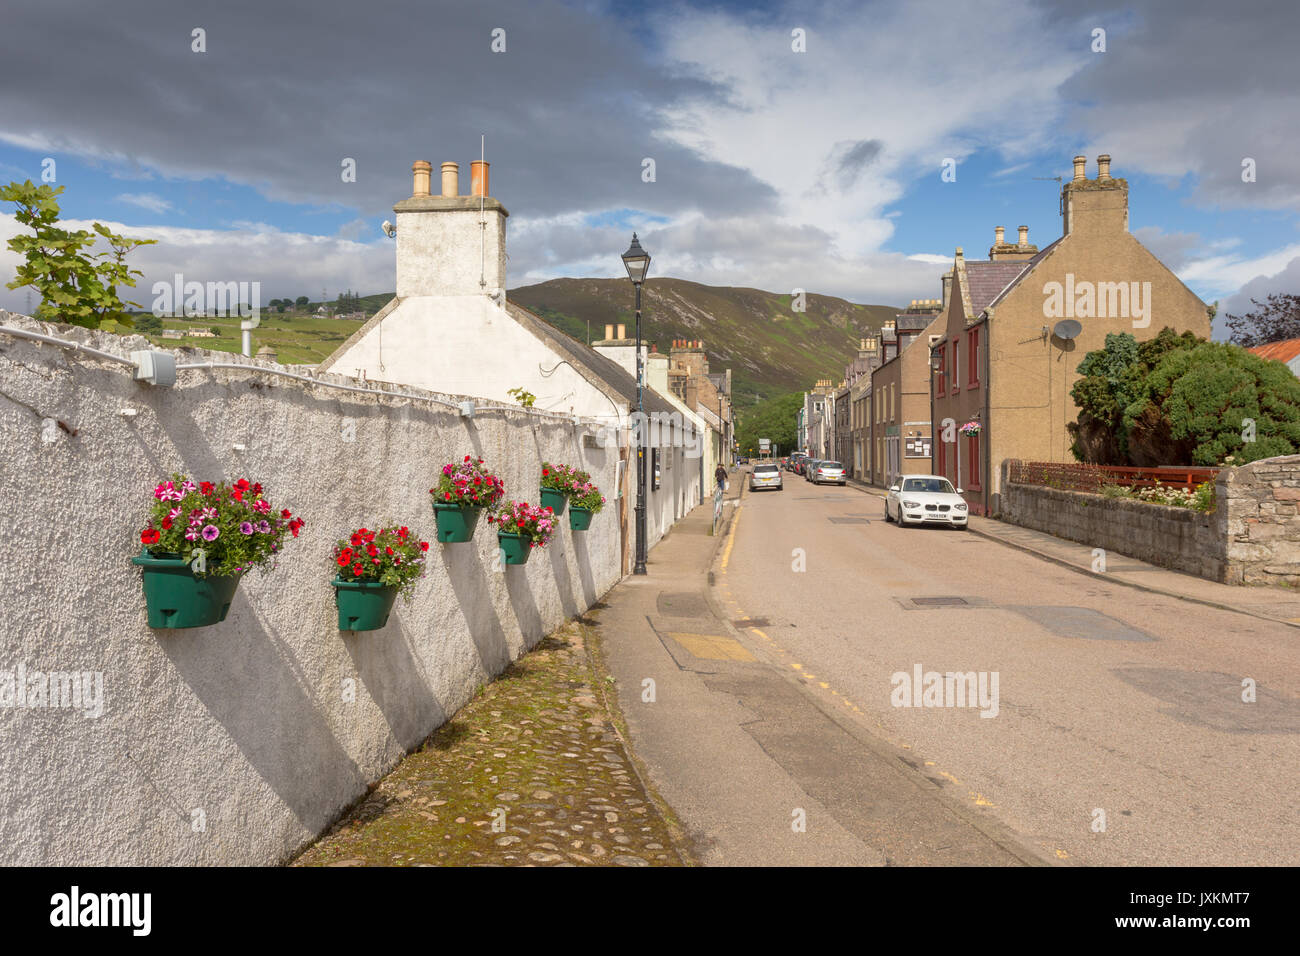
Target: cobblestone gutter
x,y
532,772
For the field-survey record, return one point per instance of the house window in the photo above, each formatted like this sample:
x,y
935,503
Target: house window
x,y
942,368
973,456
973,357
956,365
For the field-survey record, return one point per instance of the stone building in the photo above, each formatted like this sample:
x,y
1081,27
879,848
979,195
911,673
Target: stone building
x,y
1016,326
900,398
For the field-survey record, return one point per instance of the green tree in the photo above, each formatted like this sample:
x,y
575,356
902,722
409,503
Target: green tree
x,y
149,324
1112,381
301,301
76,286
774,418
1217,400
1177,399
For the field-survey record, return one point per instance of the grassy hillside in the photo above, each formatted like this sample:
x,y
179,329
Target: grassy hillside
x,y
771,349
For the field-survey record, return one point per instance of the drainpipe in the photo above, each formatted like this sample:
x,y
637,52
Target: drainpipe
x,y
985,387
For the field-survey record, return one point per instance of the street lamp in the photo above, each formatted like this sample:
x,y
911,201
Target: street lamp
x,y
637,261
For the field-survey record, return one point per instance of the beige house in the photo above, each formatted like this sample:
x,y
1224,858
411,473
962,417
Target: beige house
x,y
1016,326
900,395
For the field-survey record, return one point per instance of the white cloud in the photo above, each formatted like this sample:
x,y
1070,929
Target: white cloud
x,y
286,263
150,202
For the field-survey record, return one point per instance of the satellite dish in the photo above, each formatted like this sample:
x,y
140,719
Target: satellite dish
x,y
388,229
1067,329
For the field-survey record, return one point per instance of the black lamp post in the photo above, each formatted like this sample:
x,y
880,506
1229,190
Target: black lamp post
x,y
637,261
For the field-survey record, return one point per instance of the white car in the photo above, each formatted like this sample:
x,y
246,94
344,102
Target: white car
x,y
926,499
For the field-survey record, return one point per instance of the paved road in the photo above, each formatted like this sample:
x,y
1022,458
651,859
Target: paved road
x,y
1109,700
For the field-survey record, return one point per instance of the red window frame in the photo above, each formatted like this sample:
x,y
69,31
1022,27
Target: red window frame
x,y
973,456
943,370
972,359
956,366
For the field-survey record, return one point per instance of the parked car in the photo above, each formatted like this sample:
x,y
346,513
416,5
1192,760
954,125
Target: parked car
x,y
765,475
828,471
926,499
809,469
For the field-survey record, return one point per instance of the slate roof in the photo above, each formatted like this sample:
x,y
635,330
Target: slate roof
x,y
598,369
1018,269
913,321
1283,351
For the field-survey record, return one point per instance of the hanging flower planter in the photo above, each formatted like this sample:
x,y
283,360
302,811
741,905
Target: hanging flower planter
x,y
176,598
363,605
374,567
970,429
558,485
516,547
200,540
456,523
522,527
464,490
585,501
554,499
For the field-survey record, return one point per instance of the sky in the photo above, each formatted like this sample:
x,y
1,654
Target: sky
x,y
794,145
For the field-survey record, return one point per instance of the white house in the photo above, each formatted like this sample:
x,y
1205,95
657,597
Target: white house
x,y
450,328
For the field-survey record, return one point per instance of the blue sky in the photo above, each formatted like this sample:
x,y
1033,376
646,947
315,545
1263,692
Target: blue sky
x,y
774,168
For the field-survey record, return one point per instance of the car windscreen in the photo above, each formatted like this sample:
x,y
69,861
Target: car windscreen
x,y
765,469
831,464
934,486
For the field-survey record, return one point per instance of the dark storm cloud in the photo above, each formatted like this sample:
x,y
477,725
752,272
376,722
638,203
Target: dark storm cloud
x,y
287,90
1194,86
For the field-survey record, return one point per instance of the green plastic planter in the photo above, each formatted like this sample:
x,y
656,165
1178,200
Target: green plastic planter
x,y
515,547
555,500
176,598
363,605
580,518
456,523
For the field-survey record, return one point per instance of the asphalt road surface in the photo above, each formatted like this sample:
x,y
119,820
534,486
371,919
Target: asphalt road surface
x,y
1118,734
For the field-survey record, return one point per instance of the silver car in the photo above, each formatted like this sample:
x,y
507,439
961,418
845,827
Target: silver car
x,y
827,471
765,474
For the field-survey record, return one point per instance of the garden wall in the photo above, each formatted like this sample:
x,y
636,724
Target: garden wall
x,y
237,743
1252,537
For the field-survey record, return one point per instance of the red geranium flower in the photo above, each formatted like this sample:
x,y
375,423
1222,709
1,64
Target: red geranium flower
x,y
148,536
356,569
344,559
207,487
167,524
424,546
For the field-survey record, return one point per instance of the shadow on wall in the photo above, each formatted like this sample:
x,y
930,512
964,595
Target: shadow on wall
x,y
470,583
386,664
240,674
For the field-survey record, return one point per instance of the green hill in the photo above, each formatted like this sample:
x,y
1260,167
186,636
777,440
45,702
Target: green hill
x,y
770,348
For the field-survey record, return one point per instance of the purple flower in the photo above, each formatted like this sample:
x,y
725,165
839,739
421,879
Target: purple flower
x,y
264,526
245,528
210,532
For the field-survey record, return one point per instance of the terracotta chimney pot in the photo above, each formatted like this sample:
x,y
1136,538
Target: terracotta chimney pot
x,y
478,178
420,170
451,180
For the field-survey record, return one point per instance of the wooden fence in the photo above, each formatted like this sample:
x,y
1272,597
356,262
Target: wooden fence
x,y
1074,476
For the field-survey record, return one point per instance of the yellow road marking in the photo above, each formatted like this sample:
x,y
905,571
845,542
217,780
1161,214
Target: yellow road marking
x,y
731,538
713,647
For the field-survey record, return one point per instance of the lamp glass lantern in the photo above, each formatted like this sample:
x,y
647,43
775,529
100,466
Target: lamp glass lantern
x,y
637,261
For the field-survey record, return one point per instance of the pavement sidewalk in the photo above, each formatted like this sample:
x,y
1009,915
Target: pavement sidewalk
x,y
1267,603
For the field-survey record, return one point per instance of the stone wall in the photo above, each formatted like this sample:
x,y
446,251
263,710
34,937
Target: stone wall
x,y
1258,504
1176,538
238,743
1252,537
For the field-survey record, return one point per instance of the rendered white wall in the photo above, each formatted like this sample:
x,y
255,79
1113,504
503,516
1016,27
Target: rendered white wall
x,y
244,720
